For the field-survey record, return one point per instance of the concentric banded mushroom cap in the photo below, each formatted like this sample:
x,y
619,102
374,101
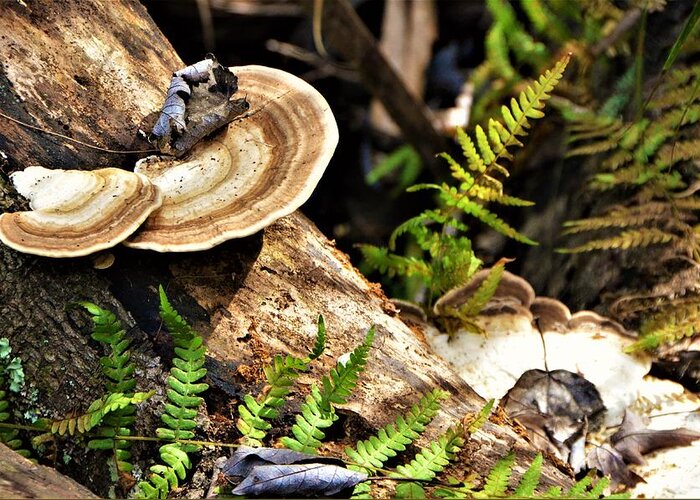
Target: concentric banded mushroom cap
x,y
76,212
262,167
512,294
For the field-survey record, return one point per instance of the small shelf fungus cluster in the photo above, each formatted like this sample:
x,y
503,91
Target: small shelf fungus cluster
x,y
260,166
566,378
558,373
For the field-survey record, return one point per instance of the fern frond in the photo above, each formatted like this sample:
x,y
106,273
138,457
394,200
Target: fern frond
x,y
451,197
320,343
473,306
174,323
280,375
673,322
393,438
417,226
474,161
433,459
516,117
382,260
318,411
488,194
11,380
642,237
183,403
119,370
531,479
96,412
621,217
670,154
254,413
477,421
497,479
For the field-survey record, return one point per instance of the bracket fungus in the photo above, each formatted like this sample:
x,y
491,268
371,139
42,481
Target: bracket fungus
x,y
261,167
514,319
77,212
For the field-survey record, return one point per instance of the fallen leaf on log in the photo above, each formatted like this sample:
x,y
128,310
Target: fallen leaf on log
x,y
280,472
634,439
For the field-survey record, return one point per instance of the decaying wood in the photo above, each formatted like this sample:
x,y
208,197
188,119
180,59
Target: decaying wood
x,y
251,298
20,478
345,33
409,29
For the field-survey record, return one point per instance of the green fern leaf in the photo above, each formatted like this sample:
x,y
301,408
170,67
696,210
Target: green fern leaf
x,y
485,193
473,306
183,403
175,324
96,412
478,421
474,161
531,479
280,375
394,438
497,479
452,198
432,460
320,344
318,410
392,265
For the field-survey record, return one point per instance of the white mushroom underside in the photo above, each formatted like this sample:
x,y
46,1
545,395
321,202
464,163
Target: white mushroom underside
x,y
261,168
492,364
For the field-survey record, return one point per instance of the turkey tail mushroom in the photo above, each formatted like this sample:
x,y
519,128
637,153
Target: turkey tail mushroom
x,y
76,212
263,166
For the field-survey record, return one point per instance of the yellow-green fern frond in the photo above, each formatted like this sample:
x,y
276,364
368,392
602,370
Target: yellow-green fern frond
x,y
670,154
673,322
622,217
474,304
486,193
474,161
635,238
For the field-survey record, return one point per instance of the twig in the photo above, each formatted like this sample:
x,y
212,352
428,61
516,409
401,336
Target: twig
x,y
76,141
626,23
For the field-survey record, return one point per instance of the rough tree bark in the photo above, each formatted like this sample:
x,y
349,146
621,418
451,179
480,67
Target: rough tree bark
x,y
93,70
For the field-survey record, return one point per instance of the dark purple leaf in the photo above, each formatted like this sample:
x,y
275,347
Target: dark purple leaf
x,y
298,480
245,458
633,439
226,81
556,408
173,112
610,463
192,112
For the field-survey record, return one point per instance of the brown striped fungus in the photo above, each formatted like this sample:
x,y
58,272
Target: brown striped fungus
x,y
257,168
76,212
263,166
